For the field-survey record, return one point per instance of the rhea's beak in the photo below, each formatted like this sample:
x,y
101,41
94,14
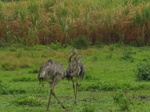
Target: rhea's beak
x,y
73,50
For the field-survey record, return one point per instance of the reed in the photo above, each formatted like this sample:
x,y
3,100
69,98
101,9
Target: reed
x,y
47,21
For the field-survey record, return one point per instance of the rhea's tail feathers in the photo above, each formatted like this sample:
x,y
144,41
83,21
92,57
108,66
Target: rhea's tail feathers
x,y
41,81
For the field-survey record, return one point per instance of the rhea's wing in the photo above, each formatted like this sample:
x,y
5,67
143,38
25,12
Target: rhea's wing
x,y
51,69
73,66
82,70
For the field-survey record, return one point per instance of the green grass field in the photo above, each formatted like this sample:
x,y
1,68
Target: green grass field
x,y
110,83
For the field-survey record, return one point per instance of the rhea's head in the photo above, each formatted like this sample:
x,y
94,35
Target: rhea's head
x,y
73,51
79,57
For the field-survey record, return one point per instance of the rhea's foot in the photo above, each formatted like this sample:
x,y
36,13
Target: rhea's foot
x,y
75,102
62,105
47,109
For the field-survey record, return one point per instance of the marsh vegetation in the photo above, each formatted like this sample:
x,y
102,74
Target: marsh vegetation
x,y
43,22
112,35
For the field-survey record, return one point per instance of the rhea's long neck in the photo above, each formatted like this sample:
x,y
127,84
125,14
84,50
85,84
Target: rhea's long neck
x,y
70,57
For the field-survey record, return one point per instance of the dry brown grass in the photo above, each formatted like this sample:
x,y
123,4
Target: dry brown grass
x,y
38,23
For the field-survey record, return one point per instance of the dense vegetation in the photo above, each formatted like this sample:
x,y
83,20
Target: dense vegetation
x,y
101,21
116,79
117,75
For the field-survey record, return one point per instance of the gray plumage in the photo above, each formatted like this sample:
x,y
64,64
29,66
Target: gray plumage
x,y
75,69
53,72
73,66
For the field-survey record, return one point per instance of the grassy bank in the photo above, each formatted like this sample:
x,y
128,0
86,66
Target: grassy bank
x,y
46,21
110,82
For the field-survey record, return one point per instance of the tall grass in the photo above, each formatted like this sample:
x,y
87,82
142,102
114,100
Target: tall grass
x,y
47,21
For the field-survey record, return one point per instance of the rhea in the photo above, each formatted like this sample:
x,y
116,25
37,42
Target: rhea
x,y
75,70
53,72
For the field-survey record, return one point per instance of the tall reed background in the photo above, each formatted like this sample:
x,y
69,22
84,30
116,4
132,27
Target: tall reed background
x,y
101,21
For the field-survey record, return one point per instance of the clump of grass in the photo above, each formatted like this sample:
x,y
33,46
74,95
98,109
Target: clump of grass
x,y
126,101
88,108
81,42
99,44
107,86
97,86
13,66
110,55
9,67
12,50
49,4
16,91
111,48
55,45
6,89
24,65
19,54
122,101
90,77
95,58
33,6
23,79
143,71
1,5
28,100
3,88
127,55
34,71
143,16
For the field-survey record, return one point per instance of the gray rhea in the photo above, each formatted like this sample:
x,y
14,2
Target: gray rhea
x,y
53,72
75,69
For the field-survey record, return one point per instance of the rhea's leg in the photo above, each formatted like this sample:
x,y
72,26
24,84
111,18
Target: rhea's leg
x,y
52,85
58,100
77,84
75,91
50,95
